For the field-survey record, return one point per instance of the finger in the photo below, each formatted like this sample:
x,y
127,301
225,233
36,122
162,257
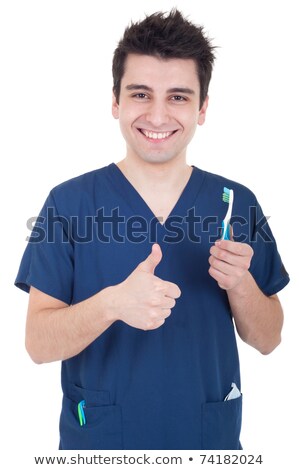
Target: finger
x,y
240,249
221,278
168,302
155,325
150,263
238,261
225,255
166,312
171,290
224,267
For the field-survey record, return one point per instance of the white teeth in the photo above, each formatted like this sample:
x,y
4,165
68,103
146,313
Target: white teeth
x,y
155,135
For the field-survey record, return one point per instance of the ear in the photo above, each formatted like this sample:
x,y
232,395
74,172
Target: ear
x,y
202,112
115,107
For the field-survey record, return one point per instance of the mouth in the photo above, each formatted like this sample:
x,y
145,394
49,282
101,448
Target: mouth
x,y
156,136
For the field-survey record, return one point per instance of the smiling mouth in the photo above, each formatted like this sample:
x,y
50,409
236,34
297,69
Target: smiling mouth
x,y
157,136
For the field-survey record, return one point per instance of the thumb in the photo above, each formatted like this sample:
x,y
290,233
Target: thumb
x,y
152,261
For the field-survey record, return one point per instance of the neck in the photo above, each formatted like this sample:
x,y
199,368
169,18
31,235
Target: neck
x,y
157,176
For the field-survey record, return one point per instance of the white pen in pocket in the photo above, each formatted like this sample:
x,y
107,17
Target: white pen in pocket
x,y
234,393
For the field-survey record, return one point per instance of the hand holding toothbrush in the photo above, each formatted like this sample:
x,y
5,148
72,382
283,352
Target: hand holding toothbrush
x,y
229,260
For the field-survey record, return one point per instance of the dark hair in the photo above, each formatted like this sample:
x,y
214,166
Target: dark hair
x,y
171,36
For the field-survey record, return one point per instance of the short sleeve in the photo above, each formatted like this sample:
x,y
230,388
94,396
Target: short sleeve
x,y
47,262
266,267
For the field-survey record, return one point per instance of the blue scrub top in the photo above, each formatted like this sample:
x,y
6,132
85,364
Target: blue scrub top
x,y
164,388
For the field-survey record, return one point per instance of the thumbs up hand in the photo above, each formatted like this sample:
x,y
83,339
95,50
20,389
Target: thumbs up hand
x,y
143,300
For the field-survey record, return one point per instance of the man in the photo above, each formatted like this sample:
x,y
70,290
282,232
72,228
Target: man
x,y
131,286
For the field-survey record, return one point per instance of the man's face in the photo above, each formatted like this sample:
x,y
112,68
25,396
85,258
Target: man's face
x,y
158,107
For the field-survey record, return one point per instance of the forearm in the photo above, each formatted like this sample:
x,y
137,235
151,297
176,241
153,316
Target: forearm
x,y
258,318
60,333
56,331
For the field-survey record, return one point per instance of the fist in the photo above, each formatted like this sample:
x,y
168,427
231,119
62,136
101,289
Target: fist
x,y
144,300
229,262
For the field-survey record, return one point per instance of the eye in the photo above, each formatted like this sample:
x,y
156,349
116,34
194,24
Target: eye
x,y
178,98
140,96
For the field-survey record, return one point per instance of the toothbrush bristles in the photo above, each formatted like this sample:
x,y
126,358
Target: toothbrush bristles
x,y
225,197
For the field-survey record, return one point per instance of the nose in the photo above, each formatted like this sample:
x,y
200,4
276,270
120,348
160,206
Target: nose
x,y
157,114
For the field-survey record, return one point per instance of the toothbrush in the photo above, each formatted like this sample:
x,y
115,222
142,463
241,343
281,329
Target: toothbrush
x,y
227,196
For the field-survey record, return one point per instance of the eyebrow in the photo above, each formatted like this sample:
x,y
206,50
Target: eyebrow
x,y
136,86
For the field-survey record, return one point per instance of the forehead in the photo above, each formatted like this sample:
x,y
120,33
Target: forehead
x,y
156,72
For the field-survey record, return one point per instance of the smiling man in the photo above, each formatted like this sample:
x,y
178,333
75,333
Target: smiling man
x,y
142,314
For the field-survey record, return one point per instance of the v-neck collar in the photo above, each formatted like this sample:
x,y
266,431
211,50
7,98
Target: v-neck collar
x,y
139,206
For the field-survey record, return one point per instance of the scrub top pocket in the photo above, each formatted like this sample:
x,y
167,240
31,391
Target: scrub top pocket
x,y
221,425
103,428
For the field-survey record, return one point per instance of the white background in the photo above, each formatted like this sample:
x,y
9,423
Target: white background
x,y
56,123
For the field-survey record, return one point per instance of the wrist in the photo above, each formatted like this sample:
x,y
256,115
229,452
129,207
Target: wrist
x,y
242,287
108,303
